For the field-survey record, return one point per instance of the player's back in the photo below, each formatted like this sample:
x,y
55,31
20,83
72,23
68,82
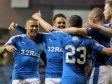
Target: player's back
x,y
75,58
75,54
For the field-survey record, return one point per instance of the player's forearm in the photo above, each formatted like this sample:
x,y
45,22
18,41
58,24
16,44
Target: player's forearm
x,y
74,30
108,31
107,51
45,25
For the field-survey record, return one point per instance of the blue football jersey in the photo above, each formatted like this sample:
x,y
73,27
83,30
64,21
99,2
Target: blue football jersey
x,y
54,53
75,54
53,50
104,39
26,57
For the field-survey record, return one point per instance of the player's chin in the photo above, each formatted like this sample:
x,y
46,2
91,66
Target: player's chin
x,y
34,34
62,27
107,18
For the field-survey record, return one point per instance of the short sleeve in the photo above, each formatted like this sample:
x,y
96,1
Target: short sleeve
x,y
12,41
96,46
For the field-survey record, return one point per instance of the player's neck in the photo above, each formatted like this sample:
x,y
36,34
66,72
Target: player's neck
x,y
109,20
31,37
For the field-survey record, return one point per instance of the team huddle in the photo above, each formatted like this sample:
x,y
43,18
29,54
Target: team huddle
x,y
67,49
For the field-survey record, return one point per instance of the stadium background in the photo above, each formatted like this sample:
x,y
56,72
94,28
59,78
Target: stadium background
x,y
20,10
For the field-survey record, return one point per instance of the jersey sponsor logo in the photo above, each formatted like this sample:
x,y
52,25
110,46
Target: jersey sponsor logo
x,y
29,52
54,49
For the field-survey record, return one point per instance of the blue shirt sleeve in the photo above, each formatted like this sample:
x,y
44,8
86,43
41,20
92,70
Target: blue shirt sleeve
x,y
96,46
21,29
11,41
59,34
63,37
90,32
107,26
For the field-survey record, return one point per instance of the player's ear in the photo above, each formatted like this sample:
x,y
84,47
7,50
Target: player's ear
x,y
53,23
25,26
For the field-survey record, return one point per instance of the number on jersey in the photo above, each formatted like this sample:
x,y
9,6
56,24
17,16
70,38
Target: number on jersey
x,y
82,56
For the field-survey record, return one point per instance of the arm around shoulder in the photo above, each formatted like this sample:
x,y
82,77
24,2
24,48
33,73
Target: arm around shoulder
x,y
75,30
107,51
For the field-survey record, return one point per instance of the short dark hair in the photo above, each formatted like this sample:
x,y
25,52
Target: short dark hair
x,y
30,19
59,15
75,21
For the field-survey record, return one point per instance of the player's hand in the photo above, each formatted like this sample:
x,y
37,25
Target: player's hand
x,y
85,25
11,48
36,15
12,26
91,25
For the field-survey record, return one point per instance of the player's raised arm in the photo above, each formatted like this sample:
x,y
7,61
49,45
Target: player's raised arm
x,y
42,22
48,27
14,26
